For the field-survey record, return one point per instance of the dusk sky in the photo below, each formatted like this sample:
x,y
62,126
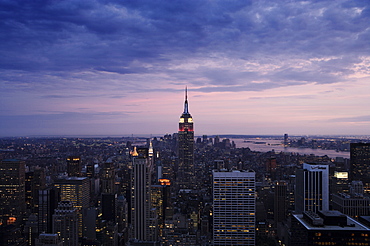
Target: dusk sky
x,y
101,67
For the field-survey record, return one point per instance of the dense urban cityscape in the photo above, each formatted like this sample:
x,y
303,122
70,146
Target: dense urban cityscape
x,y
184,189
182,123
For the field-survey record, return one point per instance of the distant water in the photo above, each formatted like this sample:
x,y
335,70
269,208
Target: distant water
x,y
265,145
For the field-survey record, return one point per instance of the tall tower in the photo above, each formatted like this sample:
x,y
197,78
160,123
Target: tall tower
x,y
141,215
360,164
185,173
280,201
312,188
12,191
234,207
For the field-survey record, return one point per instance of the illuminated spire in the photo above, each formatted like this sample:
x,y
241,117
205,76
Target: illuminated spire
x,y
134,153
186,107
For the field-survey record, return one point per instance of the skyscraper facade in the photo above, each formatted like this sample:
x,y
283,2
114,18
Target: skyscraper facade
x,y
234,207
76,190
65,223
312,188
12,191
360,163
185,173
141,216
280,201
74,166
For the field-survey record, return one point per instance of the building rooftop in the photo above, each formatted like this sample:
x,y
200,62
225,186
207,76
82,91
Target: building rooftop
x,y
351,223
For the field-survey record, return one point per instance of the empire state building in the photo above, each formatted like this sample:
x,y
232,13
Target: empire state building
x,y
185,174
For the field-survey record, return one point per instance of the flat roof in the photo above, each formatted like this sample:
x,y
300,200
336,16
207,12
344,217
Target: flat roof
x,y
356,225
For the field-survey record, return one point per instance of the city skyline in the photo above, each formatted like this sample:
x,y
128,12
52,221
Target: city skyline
x,y
120,68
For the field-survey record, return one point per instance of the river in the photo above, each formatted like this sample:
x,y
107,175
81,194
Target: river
x,y
266,144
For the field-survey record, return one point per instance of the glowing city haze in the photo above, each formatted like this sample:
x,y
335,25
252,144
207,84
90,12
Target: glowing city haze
x,y
120,67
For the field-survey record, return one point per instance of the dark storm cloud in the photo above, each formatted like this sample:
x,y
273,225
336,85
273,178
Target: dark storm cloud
x,y
123,37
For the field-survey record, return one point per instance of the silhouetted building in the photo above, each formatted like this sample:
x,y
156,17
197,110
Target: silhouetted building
x,y
312,188
280,201
360,163
107,178
65,223
51,239
12,191
48,202
35,181
185,173
109,207
74,167
234,207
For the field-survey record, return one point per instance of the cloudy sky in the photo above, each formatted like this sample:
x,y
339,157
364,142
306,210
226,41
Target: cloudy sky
x,y
106,67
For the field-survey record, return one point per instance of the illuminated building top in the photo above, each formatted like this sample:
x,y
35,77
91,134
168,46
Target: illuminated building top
x,y
186,121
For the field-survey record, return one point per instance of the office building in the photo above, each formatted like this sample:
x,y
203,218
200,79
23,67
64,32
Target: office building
x,y
280,201
12,191
109,206
46,239
141,214
326,228
234,207
360,164
354,203
35,181
65,223
185,172
76,190
160,196
48,202
74,168
312,188
107,178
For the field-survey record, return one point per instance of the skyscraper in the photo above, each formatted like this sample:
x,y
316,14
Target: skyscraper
x,y
76,190
280,201
74,166
65,223
234,207
312,188
107,178
141,216
12,191
360,164
185,173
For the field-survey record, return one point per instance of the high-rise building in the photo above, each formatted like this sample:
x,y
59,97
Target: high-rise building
x,y
360,164
185,172
12,191
141,214
234,207
312,188
65,223
109,206
160,196
76,190
74,167
280,201
35,181
107,178
48,202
